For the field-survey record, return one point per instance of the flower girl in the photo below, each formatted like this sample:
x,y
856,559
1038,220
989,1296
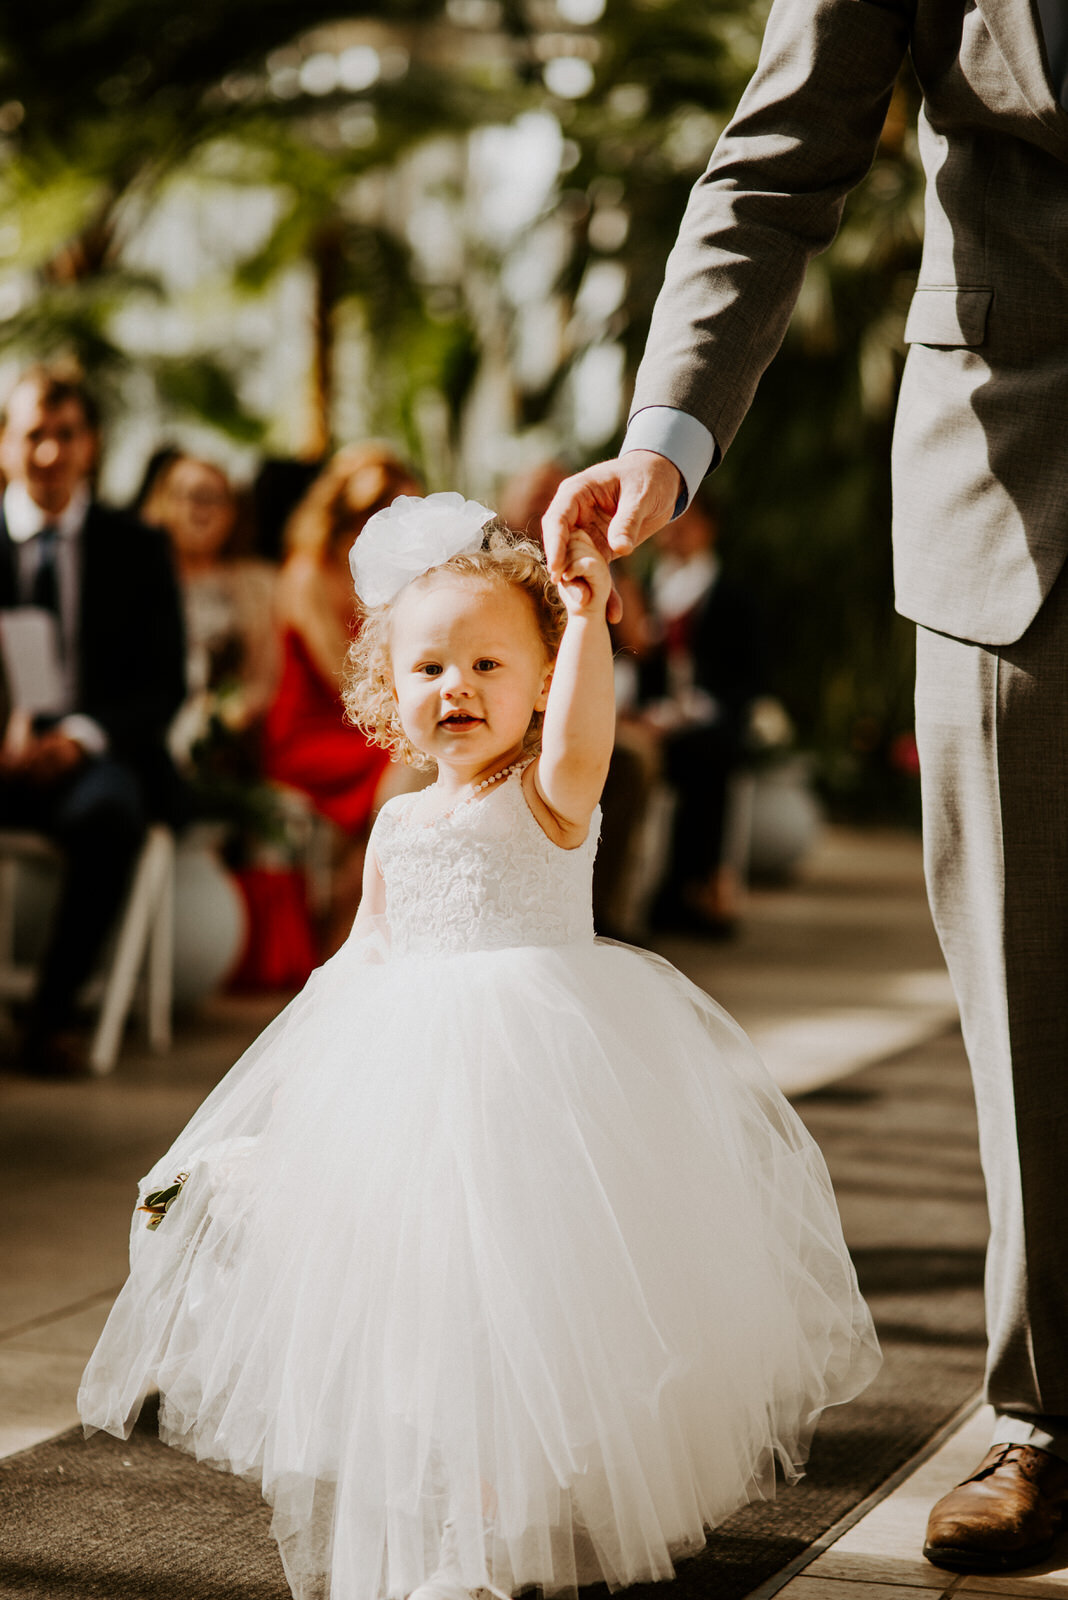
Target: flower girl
x,y
498,1260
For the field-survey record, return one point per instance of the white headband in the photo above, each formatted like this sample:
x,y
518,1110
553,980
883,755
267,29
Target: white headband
x,y
412,536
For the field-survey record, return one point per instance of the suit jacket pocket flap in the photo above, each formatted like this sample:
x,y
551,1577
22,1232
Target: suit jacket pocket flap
x,y
949,316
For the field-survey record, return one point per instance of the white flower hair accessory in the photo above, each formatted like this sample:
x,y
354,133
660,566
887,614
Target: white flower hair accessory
x,y
411,536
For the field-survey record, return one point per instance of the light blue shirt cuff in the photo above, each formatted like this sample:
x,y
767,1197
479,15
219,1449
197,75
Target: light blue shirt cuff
x,y
685,442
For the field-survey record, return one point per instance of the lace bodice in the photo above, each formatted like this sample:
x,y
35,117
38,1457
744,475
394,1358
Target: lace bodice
x,y
484,877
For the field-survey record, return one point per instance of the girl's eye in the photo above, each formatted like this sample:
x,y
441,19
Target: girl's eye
x,y
485,665
431,669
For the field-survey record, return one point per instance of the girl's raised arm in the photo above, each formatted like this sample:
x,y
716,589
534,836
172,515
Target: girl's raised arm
x,y
579,727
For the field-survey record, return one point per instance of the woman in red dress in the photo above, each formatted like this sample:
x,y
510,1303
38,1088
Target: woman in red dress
x,y
307,743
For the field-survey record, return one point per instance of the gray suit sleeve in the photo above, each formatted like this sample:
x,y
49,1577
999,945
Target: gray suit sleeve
x,y
804,134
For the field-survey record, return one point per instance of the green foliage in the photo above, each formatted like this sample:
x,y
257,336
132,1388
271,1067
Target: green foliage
x,y
104,104
670,75
73,321
200,386
97,68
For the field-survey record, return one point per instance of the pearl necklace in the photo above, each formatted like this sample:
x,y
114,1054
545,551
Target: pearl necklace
x,y
497,777
487,783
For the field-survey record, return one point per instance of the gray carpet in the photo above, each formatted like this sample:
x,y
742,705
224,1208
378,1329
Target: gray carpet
x,y
134,1521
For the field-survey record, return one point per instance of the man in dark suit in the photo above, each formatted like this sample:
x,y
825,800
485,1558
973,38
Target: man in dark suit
x,y
93,769
980,471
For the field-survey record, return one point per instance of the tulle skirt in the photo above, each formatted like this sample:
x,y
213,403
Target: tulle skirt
x,y
523,1243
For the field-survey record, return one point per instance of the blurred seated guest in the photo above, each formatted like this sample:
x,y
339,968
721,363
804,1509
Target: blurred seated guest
x,y
700,672
521,503
155,466
280,484
233,667
84,758
307,742
233,656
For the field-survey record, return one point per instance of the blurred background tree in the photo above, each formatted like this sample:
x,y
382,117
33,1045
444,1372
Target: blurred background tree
x,y
262,226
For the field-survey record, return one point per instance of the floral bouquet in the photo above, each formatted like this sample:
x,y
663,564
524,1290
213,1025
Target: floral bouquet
x,y
159,1201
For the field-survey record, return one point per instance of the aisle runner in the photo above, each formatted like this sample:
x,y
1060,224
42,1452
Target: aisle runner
x,y
134,1521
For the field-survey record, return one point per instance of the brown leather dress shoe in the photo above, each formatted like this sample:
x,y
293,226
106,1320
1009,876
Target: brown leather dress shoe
x,y
1005,1515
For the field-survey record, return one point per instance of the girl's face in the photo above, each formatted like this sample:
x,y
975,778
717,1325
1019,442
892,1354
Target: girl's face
x,y
470,669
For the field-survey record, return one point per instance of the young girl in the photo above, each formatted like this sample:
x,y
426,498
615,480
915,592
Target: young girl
x,y
498,1260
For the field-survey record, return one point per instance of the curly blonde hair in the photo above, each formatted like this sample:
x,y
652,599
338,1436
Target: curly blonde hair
x,y
506,557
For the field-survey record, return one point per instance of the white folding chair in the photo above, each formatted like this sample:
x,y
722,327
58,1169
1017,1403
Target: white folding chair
x,y
144,942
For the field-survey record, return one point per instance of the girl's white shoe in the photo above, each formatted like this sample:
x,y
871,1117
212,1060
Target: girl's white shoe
x,y
439,1587
446,1581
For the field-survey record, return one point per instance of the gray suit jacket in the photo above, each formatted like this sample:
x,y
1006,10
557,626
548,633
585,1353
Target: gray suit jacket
x,y
981,439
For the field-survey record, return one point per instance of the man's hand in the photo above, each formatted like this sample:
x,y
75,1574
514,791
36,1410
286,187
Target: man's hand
x,y
618,504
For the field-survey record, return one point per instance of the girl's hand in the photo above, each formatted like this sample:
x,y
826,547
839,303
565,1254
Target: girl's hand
x,y
585,583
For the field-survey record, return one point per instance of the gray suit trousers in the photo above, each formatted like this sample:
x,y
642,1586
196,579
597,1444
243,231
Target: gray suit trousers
x,y
992,727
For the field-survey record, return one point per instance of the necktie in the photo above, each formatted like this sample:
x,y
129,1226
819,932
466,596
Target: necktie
x,y
45,589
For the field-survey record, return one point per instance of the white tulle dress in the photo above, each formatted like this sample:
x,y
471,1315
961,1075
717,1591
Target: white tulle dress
x,y
498,1231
